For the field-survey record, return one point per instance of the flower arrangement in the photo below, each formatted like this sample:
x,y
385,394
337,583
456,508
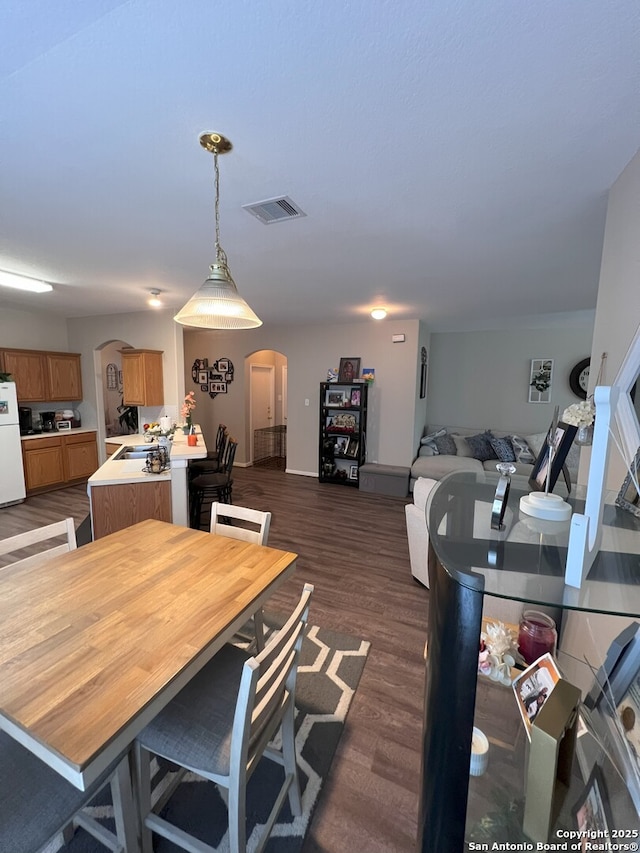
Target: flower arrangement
x,y
187,408
580,414
498,652
542,379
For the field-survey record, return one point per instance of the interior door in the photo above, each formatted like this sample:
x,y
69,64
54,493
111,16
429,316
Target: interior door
x,y
262,408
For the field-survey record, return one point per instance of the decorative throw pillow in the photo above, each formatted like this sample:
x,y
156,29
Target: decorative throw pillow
x,y
446,444
429,440
480,446
503,449
461,446
521,450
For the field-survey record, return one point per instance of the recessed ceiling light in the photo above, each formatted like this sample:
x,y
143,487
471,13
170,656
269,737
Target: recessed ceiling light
x,y
23,282
379,313
154,301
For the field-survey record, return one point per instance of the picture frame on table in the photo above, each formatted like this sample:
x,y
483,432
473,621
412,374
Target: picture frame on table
x,y
628,497
591,811
565,433
349,369
533,686
334,397
353,472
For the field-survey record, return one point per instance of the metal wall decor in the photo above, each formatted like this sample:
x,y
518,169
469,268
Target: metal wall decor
x,y
213,379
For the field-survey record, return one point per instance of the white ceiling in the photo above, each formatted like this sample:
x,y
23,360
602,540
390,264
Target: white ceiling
x,y
453,156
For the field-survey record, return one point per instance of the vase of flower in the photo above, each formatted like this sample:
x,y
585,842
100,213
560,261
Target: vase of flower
x,y
581,415
187,412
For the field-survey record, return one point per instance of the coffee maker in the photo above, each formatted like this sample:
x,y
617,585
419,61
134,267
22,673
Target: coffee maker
x,y
25,420
48,421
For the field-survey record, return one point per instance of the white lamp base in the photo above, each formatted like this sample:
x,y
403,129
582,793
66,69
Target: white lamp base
x,y
546,506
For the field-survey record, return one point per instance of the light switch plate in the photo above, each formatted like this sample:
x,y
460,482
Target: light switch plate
x,y
397,339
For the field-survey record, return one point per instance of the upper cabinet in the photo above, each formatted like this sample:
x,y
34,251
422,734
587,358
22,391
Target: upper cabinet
x,y
43,377
63,375
142,378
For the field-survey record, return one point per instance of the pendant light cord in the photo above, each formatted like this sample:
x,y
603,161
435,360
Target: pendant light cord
x,y
221,256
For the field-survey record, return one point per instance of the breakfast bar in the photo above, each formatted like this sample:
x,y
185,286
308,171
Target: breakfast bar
x,y
122,492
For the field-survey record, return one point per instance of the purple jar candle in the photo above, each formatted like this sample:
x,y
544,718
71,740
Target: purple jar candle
x,y
537,635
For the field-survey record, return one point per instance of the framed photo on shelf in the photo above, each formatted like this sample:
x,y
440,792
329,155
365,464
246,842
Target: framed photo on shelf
x,y
349,369
355,396
341,445
591,813
533,687
565,434
335,398
352,451
628,497
353,472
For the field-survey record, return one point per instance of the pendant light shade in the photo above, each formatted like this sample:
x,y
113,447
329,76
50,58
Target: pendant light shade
x,y
217,304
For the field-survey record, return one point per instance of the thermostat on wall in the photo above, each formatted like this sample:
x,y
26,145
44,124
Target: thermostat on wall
x,y
397,339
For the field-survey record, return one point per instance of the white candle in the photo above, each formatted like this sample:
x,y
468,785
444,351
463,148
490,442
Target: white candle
x,y
479,752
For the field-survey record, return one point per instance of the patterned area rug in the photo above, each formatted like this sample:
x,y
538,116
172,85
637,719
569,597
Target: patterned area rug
x,y
329,671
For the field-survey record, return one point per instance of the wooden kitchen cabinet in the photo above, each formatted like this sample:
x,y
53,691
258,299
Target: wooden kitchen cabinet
x,y
142,377
42,376
63,376
81,455
28,371
52,462
43,461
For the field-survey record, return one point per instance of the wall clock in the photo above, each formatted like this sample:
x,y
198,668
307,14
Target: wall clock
x,y
579,378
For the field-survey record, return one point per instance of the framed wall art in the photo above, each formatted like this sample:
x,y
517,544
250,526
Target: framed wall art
x,y
540,380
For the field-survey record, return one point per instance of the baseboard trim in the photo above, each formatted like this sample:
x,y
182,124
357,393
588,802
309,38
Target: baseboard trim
x,y
301,473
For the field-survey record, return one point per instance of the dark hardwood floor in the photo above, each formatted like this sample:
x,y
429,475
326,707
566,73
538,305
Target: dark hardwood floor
x,y
352,546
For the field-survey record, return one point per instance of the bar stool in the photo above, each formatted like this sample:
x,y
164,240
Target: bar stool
x,y
211,465
207,488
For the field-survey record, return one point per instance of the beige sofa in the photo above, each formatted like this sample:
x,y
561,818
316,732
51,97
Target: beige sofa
x,y
432,463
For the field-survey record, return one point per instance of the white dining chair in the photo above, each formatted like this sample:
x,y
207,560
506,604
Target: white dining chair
x,y
36,803
63,528
219,727
253,527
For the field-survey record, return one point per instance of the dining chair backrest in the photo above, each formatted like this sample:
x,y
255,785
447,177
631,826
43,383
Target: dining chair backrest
x,y
267,689
221,440
41,534
229,455
257,533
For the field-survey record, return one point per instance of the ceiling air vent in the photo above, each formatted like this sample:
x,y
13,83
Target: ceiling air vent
x,y
275,210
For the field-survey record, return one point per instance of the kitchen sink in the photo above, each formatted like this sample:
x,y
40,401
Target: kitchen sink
x,y
135,451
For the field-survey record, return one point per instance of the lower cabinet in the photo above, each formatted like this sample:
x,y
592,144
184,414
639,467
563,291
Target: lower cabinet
x,y
55,461
114,507
43,460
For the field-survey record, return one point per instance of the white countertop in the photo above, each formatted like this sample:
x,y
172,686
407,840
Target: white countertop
x,y
119,471
56,432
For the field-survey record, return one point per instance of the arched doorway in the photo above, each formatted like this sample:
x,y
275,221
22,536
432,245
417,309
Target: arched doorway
x,y
267,409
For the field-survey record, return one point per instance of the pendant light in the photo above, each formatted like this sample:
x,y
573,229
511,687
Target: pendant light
x,y
217,305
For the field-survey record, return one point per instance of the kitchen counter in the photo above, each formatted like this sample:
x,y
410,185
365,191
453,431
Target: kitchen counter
x,y
59,432
128,472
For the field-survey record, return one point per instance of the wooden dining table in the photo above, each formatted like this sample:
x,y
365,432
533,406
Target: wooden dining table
x,y
93,643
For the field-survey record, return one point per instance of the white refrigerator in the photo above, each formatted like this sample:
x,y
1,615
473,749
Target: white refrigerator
x,y
11,471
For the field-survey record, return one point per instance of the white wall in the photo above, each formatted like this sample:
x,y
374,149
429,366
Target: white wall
x,y
33,330
481,379
310,351
618,306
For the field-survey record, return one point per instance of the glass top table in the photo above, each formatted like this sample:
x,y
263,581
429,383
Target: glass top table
x,y
526,560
